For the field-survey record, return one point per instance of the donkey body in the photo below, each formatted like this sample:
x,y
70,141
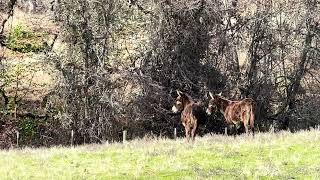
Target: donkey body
x,y
190,113
234,111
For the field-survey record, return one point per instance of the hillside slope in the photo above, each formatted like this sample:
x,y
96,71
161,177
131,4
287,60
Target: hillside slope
x,y
272,156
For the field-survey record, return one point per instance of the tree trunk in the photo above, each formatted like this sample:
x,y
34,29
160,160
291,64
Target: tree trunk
x,y
300,72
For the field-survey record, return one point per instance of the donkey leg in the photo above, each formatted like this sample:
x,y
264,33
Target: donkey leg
x,y
252,130
193,132
249,129
246,128
187,128
235,131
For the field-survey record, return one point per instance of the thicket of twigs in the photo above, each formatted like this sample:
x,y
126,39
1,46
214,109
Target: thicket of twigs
x,y
125,59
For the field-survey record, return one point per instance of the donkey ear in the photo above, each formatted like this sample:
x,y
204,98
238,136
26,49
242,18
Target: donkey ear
x,y
220,94
179,93
211,95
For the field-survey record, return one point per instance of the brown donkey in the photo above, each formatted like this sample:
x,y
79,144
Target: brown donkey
x,y
234,111
190,112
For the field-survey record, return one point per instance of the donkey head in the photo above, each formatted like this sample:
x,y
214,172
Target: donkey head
x,y
181,101
213,103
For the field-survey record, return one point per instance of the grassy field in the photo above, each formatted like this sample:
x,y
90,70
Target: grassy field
x,y
266,156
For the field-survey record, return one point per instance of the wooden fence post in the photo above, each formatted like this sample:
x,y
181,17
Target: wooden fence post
x,y
15,112
17,135
175,133
124,136
226,131
72,134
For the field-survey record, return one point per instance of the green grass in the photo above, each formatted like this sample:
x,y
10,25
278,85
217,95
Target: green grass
x,y
24,41
266,156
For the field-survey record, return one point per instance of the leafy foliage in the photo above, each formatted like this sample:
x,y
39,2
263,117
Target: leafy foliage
x,y
25,41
